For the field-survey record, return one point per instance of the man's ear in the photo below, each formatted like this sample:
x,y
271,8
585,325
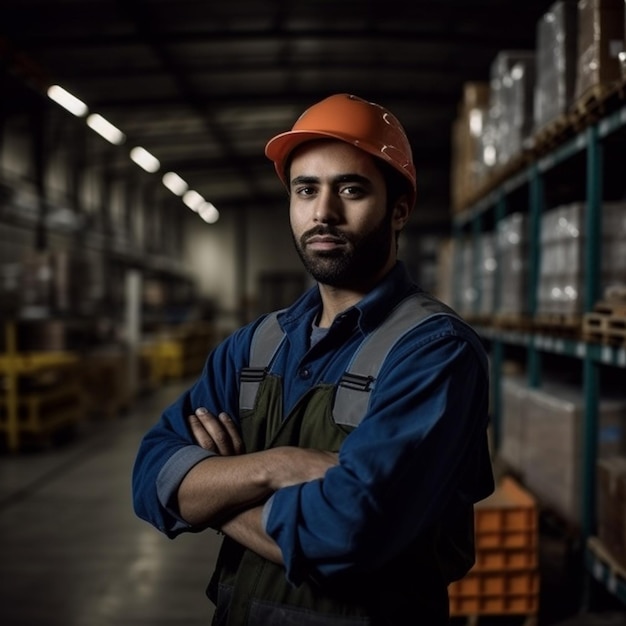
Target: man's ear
x,y
401,212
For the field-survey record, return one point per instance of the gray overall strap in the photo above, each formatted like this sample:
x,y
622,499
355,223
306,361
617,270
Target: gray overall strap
x,y
265,342
353,392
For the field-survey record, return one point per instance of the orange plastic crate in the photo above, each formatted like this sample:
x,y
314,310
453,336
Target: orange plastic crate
x,y
506,558
505,592
494,605
509,514
505,577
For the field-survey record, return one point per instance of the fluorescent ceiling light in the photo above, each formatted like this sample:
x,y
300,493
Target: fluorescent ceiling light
x,y
144,159
105,129
193,200
67,100
175,183
208,212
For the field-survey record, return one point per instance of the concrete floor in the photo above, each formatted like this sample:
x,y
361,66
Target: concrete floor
x,y
74,554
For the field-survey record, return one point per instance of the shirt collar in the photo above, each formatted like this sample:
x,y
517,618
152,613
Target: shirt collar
x,y
368,312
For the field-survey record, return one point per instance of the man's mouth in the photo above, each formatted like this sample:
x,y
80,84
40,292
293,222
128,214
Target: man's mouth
x,y
324,242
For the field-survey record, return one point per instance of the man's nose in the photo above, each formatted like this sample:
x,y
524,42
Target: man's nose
x,y
327,207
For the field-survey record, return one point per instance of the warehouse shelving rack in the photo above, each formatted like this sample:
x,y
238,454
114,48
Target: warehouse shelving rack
x,y
576,166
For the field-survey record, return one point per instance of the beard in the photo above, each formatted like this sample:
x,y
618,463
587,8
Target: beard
x,y
357,263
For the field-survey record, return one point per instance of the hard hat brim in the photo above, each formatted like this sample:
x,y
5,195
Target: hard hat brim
x,y
281,146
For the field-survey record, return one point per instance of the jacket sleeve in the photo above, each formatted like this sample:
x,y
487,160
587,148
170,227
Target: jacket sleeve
x,y
422,443
168,451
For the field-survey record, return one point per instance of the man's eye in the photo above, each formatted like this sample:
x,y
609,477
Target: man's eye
x,y
353,191
305,191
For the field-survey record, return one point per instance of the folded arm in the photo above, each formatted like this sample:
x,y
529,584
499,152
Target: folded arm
x,y
226,491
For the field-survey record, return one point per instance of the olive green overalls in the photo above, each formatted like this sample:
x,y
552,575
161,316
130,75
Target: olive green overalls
x,y
249,590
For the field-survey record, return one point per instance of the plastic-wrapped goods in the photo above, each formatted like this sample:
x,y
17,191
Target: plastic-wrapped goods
x,y
555,63
512,246
512,84
465,265
487,273
600,40
562,271
553,443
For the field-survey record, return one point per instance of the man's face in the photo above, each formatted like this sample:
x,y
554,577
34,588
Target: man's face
x,y
338,212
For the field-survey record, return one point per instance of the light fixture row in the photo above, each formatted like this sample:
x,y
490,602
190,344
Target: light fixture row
x,y
141,156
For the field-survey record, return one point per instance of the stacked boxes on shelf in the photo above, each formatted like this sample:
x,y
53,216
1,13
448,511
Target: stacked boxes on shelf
x,y
555,64
464,269
505,578
486,279
511,101
611,510
536,95
468,167
600,40
542,439
562,268
512,246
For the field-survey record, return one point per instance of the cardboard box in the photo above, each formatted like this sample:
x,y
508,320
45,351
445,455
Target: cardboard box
x,y
600,40
611,506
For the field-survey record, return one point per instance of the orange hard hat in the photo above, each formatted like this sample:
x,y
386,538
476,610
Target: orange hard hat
x,y
364,124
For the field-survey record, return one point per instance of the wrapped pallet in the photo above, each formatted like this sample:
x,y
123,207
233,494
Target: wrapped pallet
x,y
562,273
512,81
512,249
464,269
487,266
557,33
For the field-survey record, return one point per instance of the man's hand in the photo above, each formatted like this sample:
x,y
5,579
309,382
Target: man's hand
x,y
216,433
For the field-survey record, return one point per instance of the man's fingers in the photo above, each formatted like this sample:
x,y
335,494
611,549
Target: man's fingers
x,y
218,434
233,433
202,437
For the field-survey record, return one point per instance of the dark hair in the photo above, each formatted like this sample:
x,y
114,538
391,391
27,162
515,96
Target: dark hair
x,y
396,183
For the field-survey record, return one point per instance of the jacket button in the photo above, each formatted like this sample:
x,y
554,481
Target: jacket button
x,y
305,372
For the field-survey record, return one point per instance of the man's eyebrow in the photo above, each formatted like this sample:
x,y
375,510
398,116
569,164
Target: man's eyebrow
x,y
342,178
304,180
353,178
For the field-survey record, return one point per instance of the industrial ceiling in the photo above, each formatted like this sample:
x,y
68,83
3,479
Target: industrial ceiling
x,y
202,85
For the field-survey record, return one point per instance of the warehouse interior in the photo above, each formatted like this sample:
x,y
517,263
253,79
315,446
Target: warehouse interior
x,y
140,223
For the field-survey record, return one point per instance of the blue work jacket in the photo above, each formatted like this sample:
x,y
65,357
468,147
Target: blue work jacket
x,y
421,445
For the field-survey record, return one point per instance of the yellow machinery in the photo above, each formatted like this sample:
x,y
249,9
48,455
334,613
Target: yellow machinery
x,y
41,391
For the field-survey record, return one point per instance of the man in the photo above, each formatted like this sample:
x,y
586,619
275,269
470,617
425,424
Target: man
x,y
340,444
